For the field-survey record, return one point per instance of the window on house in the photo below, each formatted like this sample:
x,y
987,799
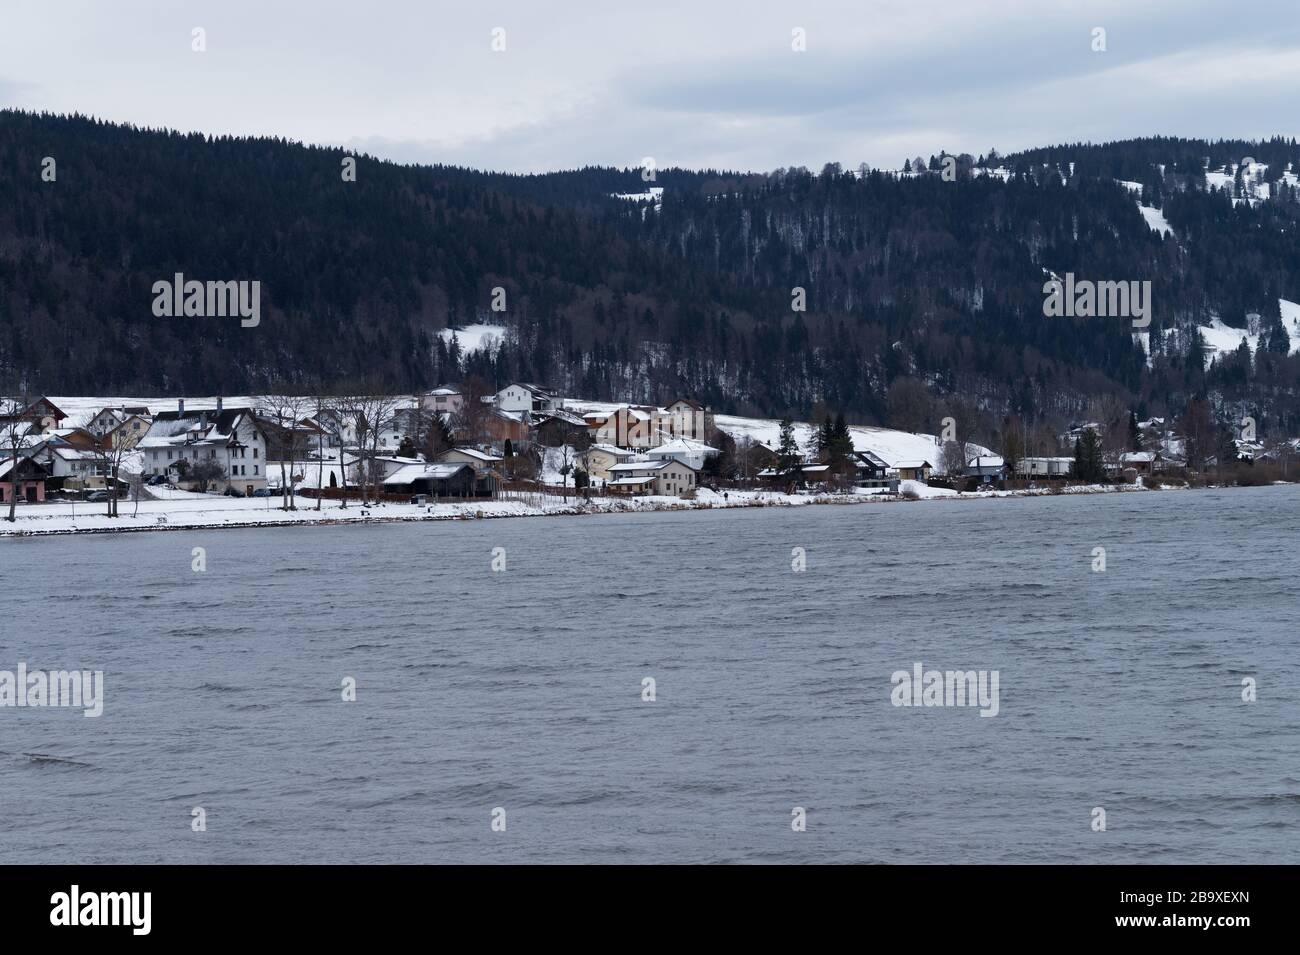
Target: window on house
x,y
254,469
255,452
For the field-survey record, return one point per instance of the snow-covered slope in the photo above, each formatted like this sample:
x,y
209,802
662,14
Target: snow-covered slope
x,y
1221,339
1155,219
892,446
472,338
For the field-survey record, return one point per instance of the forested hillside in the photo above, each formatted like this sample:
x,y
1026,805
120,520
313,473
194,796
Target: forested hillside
x,y
909,278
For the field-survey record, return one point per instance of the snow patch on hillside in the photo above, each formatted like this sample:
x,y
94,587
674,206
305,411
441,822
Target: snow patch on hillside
x,y
1155,219
1221,339
472,338
1291,322
892,446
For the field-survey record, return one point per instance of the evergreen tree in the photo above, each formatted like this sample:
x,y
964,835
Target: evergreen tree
x,y
840,445
788,456
1088,464
824,438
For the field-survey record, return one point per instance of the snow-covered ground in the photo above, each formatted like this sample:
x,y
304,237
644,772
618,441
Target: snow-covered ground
x,y
184,510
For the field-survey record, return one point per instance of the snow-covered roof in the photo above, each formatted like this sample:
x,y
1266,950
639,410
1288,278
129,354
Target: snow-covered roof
x,y
72,454
474,453
632,467
681,446
612,450
629,482
566,416
416,472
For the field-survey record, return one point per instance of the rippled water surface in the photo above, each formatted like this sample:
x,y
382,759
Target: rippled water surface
x,y
522,689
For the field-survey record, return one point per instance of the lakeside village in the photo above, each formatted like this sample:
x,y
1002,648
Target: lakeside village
x,y
525,443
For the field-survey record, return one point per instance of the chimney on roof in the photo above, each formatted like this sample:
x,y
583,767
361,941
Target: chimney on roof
x,y
218,404
180,406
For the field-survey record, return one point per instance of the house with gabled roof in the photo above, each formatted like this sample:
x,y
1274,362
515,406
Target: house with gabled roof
x,y
522,396
599,458
666,477
688,451
231,438
687,418
22,478
41,415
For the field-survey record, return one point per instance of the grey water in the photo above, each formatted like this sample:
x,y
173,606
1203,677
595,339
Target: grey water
x,y
522,688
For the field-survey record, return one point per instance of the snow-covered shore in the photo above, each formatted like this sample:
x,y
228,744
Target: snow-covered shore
x,y
188,511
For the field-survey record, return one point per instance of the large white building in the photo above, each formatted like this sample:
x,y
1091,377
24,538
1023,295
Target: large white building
x,y
228,437
521,396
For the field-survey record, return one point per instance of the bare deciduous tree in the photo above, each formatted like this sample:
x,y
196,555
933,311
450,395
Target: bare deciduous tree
x,y
111,450
909,404
17,421
283,414
374,413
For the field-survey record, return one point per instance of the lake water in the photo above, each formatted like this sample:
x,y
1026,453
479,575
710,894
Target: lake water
x,y
522,688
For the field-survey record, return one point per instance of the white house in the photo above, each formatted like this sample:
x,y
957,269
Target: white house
x,y
689,452
522,396
132,421
227,437
446,399
666,477
686,418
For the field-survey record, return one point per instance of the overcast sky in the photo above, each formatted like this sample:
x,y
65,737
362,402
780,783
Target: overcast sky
x,y
701,83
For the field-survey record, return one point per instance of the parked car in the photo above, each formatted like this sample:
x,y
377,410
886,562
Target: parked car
x,y
234,492
96,497
156,480
262,492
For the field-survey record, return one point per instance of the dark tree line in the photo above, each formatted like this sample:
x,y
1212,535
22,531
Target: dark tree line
x,y
902,279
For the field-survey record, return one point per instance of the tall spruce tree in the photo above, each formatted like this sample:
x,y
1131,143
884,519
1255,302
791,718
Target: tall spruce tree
x,y
788,456
1088,463
840,445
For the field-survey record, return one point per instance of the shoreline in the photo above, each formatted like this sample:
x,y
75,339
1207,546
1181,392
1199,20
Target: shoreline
x,y
62,525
